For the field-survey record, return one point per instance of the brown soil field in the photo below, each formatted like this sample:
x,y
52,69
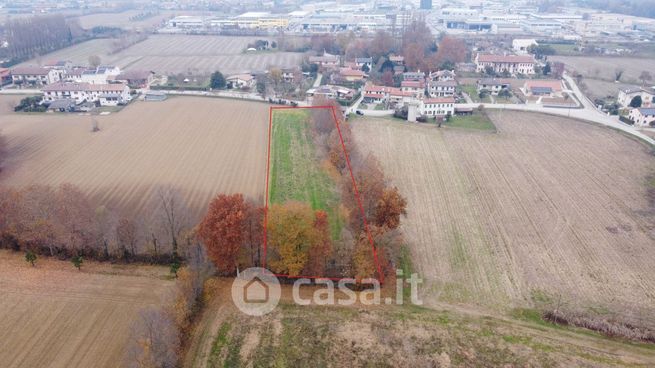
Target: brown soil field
x,y
199,146
548,210
122,20
598,72
172,54
53,315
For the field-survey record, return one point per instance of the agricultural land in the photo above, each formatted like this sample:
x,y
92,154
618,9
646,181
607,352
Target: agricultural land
x,y
199,146
541,214
58,316
172,54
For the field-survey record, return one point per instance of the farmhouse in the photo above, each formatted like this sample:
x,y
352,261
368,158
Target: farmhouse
x,y
34,75
376,94
513,64
136,78
104,94
643,117
442,88
241,81
494,86
628,94
440,106
550,88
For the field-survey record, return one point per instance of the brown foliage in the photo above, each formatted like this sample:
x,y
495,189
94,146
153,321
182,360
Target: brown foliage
x,y
414,55
126,234
3,150
222,231
389,208
321,250
370,184
451,50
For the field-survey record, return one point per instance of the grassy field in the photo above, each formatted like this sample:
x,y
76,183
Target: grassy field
x,y
56,316
546,206
199,146
395,336
478,121
297,173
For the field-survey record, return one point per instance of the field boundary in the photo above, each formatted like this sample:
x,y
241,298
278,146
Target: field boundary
x,y
355,191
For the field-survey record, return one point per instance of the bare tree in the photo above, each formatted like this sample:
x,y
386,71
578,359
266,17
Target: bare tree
x,y
106,221
174,215
3,149
126,234
618,73
94,61
154,341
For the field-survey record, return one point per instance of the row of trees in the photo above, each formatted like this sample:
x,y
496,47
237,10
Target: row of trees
x,y
31,36
64,222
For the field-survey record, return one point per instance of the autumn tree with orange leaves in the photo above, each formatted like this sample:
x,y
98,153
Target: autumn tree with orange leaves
x,y
222,231
389,208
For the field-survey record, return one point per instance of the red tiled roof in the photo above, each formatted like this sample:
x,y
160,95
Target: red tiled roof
x,y
505,58
30,70
439,100
77,87
351,72
414,84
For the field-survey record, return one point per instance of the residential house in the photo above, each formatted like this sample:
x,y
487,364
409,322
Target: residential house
x,y
291,75
397,59
512,64
241,81
351,75
325,61
376,94
415,87
136,78
627,94
494,86
643,117
330,91
521,45
100,75
105,94
414,76
440,106
442,89
549,88
360,62
397,97
5,76
59,64
34,75
443,75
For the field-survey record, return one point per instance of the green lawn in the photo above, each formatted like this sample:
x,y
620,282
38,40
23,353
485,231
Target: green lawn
x,y
296,173
478,121
472,91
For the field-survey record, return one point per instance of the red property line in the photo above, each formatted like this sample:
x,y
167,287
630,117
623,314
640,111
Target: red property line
x,y
352,177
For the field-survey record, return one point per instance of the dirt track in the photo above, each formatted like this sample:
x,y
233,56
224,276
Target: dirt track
x,y
201,146
56,316
547,206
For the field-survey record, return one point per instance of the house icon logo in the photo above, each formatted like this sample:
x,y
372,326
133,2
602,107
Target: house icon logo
x,y
256,291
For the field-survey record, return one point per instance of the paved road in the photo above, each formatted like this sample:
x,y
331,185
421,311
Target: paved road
x,y
588,112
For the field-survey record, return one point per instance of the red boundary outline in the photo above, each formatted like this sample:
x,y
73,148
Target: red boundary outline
x,y
355,190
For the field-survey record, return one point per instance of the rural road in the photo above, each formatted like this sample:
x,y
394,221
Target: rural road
x,y
587,113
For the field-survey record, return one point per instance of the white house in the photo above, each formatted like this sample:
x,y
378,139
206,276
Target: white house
x,y
106,94
241,81
440,106
627,94
492,85
34,75
443,75
643,117
415,87
442,88
99,75
513,64
521,45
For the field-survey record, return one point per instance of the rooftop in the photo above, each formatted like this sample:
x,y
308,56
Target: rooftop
x,y
488,58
